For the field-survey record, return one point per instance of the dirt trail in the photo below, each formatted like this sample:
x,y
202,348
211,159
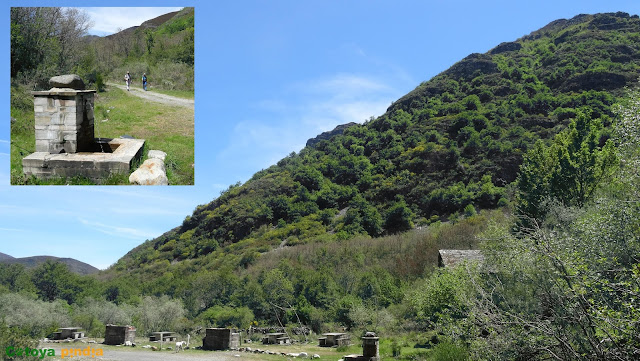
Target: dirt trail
x,y
156,97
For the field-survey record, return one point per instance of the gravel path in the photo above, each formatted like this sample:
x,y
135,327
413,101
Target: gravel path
x,y
129,354
157,97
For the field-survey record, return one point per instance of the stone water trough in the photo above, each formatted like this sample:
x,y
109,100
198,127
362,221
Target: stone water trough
x,y
65,143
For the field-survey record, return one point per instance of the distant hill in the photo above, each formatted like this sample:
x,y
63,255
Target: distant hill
x,y
4,257
30,262
149,24
157,21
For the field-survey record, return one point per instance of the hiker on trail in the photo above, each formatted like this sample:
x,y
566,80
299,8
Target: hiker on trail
x,y
144,81
127,79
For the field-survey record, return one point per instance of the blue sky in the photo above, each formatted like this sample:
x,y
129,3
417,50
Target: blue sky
x,y
269,75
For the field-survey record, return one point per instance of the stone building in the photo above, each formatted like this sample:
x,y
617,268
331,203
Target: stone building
x,y
370,349
118,335
220,339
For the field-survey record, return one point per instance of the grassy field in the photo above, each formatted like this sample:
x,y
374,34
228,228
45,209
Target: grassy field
x,y
176,93
165,128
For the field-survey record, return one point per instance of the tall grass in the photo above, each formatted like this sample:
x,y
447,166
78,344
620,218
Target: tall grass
x,y
407,256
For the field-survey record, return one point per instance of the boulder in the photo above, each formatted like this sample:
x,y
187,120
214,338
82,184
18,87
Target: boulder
x,y
157,154
71,81
151,172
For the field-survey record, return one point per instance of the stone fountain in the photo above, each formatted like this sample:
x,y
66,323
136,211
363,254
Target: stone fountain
x,y
65,143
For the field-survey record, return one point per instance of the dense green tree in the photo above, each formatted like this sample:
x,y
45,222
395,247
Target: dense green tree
x,y
16,278
53,280
569,170
399,217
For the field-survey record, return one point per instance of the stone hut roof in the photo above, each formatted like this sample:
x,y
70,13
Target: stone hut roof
x,y
451,257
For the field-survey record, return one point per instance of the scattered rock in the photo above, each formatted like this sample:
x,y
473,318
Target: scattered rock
x,y
151,172
315,356
71,81
504,47
303,354
157,154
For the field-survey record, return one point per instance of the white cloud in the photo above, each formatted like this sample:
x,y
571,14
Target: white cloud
x,y
11,229
107,20
310,108
346,85
10,210
126,232
4,141
146,211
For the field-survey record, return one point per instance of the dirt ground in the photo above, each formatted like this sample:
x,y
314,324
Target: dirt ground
x,y
138,354
157,97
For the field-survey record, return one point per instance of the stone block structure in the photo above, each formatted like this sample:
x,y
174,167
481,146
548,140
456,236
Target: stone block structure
x,y
275,338
334,339
220,339
64,333
118,335
65,143
64,120
370,349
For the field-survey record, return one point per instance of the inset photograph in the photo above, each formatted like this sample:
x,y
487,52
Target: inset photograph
x,y
102,96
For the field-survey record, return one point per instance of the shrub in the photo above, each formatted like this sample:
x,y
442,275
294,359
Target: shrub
x,y
226,316
448,351
12,336
39,318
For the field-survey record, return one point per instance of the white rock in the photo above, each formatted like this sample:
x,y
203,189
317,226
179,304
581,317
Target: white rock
x,y
315,356
151,172
303,354
158,154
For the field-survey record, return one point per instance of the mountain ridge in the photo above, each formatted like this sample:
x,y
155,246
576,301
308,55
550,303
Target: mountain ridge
x,y
449,147
74,265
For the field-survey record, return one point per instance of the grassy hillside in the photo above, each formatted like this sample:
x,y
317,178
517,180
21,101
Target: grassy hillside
x,y
163,48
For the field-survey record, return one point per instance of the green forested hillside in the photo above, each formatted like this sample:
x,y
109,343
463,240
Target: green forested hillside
x,y
453,145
